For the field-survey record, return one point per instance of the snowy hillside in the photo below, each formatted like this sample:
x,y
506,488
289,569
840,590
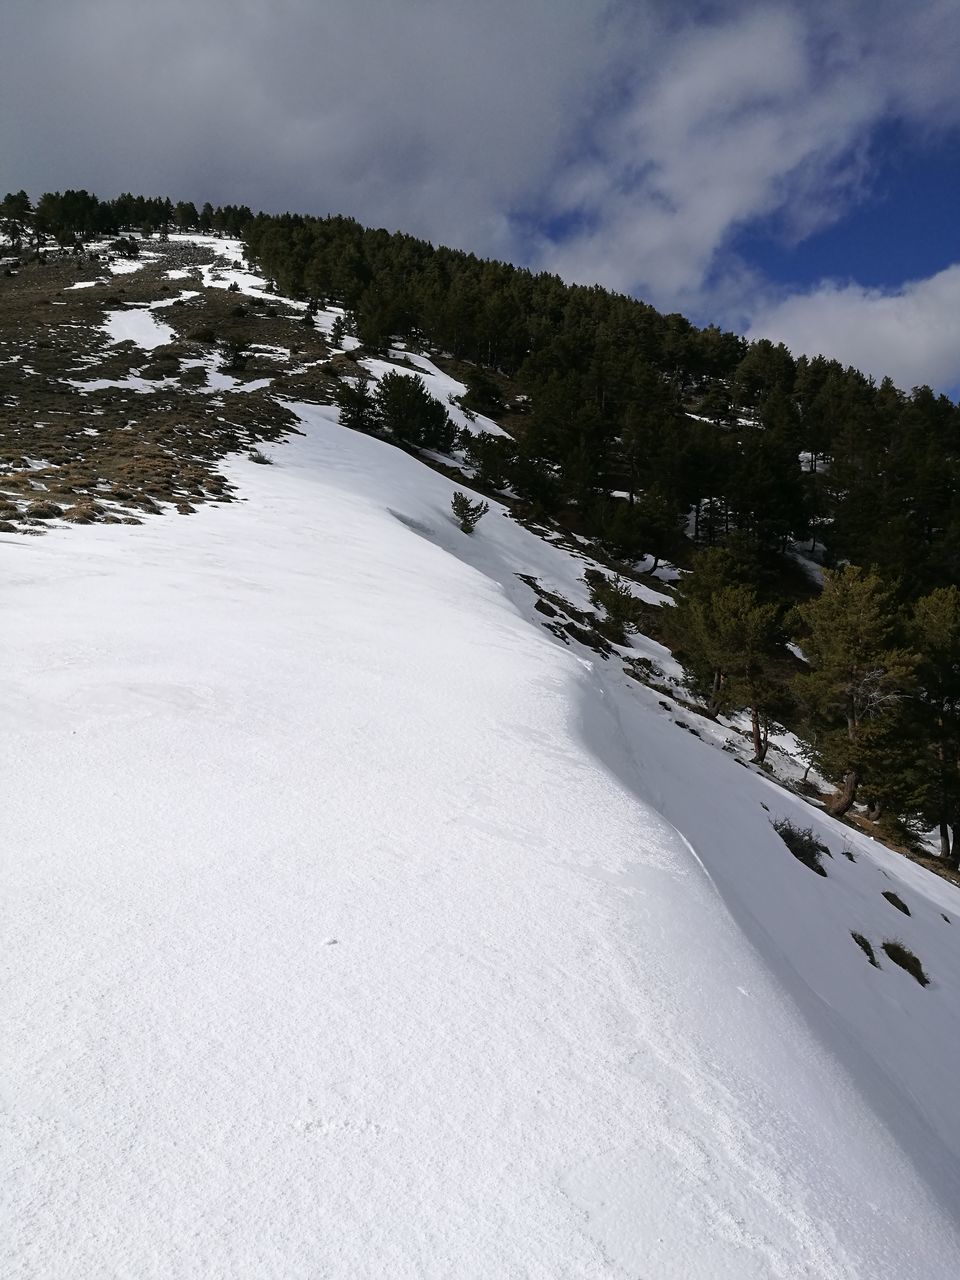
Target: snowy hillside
x,y
358,926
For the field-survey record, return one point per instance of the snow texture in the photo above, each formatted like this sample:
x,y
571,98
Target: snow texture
x,y
357,927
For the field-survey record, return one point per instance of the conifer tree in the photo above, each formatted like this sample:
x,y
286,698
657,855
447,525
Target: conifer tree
x,y
408,411
859,676
729,640
936,635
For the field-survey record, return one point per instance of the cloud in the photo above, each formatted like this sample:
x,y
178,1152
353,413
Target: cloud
x,y
626,142
761,111
911,334
434,116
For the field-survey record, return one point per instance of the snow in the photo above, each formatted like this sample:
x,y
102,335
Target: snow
x,y
129,383
355,926
125,266
137,325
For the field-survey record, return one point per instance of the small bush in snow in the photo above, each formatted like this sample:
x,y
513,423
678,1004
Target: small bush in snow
x,y
896,901
803,844
257,456
905,958
867,948
468,514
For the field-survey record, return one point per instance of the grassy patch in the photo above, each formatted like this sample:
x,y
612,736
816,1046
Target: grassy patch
x,y
803,844
904,957
897,902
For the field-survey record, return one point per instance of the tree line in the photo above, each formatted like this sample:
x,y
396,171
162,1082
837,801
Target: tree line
x,y
73,217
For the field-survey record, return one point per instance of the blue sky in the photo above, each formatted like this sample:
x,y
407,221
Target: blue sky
x,y
786,168
905,226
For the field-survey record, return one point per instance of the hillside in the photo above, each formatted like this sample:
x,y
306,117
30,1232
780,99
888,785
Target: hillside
x,y
365,915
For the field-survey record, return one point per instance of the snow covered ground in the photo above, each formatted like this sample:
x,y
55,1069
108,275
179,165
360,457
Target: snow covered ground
x,y
356,927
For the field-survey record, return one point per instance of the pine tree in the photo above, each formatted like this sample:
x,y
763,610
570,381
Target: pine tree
x,y
936,635
358,409
409,412
729,641
468,514
860,674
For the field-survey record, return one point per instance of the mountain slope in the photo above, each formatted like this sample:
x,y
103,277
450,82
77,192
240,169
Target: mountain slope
x,y
356,926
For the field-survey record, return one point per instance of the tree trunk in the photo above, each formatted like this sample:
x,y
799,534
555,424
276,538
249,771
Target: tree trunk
x,y
714,708
944,840
760,736
843,800
953,862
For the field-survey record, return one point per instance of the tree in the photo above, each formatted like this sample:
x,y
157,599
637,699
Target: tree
x,y
358,409
16,212
408,411
859,677
936,635
468,514
729,641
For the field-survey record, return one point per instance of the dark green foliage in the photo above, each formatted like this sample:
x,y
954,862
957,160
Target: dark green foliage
x,y
729,639
337,331
358,409
493,456
866,947
896,901
621,609
482,395
902,955
803,844
408,411
235,356
467,513
859,676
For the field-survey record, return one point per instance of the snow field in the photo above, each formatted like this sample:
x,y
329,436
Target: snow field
x,y
357,927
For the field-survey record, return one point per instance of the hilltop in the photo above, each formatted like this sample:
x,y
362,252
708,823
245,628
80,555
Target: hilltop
x,y
368,914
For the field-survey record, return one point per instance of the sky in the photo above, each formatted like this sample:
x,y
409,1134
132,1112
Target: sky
x,y
785,168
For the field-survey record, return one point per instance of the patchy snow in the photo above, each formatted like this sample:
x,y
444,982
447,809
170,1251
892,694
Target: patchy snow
x,y
130,383
84,284
218,381
125,266
358,927
137,325
182,296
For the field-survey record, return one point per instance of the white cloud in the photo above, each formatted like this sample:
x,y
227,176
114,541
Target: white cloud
x,y
619,141
911,334
766,111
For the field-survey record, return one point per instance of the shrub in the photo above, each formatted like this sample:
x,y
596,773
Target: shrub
x,y
866,947
904,957
257,456
803,844
468,514
235,356
896,902
620,606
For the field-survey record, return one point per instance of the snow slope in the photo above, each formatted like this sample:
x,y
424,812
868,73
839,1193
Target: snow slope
x,y
356,927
